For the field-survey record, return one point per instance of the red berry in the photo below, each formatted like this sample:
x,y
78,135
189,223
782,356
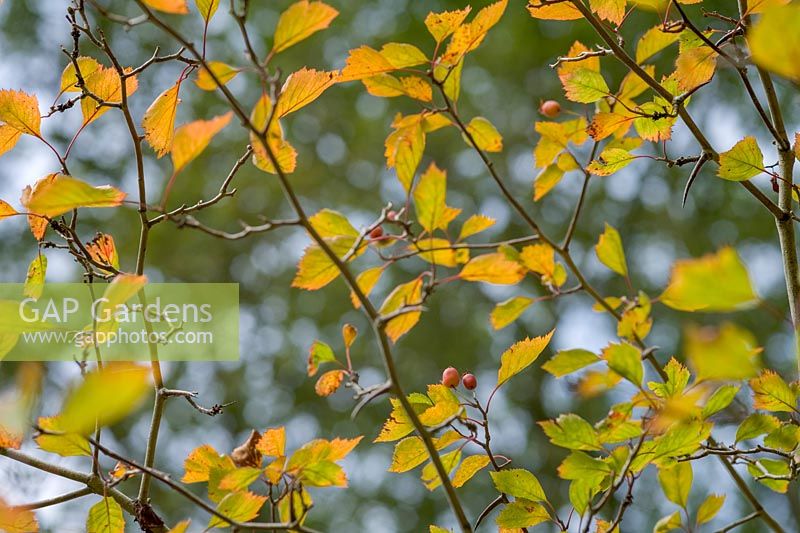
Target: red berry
x,y
550,109
470,382
376,233
450,377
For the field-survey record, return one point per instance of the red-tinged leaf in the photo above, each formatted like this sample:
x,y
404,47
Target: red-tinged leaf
x,y
329,382
159,120
191,139
302,88
221,71
300,21
20,111
103,250
177,7
57,194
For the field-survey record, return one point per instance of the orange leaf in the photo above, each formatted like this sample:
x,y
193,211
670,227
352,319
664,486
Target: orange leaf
x,y
441,25
302,88
550,11
6,210
178,7
159,120
329,382
103,250
300,21
17,519
273,442
105,84
8,138
366,62
468,37
284,153
191,139
493,268
610,10
20,111
10,439
407,294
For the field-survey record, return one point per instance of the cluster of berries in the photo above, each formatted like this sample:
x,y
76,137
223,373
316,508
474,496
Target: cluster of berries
x,y
451,378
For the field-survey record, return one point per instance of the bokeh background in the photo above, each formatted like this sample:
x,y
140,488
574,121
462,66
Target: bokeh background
x,y
340,143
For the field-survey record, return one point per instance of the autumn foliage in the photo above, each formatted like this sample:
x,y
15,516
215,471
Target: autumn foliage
x,y
668,407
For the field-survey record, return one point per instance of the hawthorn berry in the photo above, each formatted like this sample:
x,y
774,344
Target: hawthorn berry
x,y
376,233
450,377
550,108
470,381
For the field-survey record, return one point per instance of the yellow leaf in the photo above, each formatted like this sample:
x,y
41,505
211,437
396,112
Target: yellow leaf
x,y
469,36
105,517
366,281
103,250
430,476
57,194
771,392
475,224
201,461
159,120
610,10
610,252
709,508
442,25
207,8
429,199
742,162
8,138
330,223
240,506
408,454
715,282
520,356
20,111
540,9
302,88
468,468
177,7
300,21
34,281
65,445
222,71
508,311
404,148
181,527
485,135
120,290
626,361
727,352
548,178
605,124
407,294
191,139
436,251
493,268
273,442
695,66
760,6
315,269
105,84
284,153
366,62
329,382
17,519
69,77
653,41
775,42
387,86
105,396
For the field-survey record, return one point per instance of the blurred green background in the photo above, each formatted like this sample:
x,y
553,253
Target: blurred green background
x,y
339,139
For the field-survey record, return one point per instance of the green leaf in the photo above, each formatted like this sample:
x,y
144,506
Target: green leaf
x,y
105,517
784,438
774,467
579,465
508,311
520,356
240,506
519,483
571,431
626,361
585,86
522,514
726,352
319,353
408,454
741,162
430,477
709,508
610,161
34,281
721,399
568,361
676,482
65,445
714,283
755,425
104,396
610,252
